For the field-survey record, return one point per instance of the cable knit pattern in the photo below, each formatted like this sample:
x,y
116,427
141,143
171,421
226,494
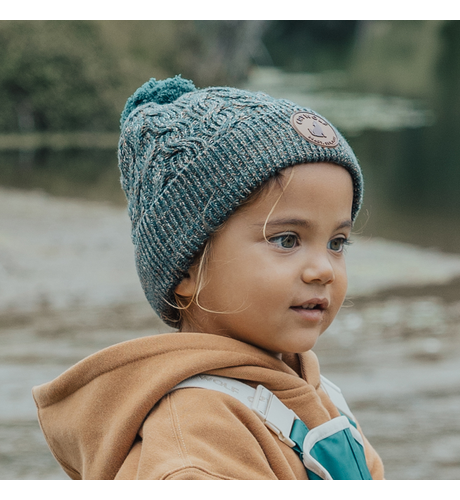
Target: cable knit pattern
x,y
189,157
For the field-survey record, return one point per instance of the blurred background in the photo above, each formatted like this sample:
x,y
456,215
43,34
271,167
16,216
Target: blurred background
x,y
67,282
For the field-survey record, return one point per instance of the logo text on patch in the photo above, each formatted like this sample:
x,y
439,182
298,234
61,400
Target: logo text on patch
x,y
315,129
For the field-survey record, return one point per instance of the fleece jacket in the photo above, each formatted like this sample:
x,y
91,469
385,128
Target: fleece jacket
x,y
110,416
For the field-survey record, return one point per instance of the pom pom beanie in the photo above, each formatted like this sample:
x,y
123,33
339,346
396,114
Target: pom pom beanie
x,y
188,157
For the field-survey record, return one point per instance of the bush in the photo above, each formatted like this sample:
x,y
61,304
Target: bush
x,y
56,76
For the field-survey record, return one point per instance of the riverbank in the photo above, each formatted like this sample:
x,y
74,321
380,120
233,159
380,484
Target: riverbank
x,y
68,288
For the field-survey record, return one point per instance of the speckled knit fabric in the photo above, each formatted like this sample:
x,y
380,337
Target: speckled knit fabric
x,y
189,157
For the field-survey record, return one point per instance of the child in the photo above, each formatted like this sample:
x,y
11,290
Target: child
x,y
241,206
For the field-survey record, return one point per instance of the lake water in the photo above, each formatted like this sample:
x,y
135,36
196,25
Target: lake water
x,y
408,153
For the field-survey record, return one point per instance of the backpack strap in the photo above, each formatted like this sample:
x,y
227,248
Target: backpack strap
x,y
333,450
336,396
273,413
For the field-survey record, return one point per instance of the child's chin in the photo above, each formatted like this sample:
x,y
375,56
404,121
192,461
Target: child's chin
x,y
299,347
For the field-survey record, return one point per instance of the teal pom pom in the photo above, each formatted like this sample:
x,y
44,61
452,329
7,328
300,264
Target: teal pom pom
x,y
161,92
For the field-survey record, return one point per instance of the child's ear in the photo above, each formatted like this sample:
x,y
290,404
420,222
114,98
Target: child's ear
x,y
187,286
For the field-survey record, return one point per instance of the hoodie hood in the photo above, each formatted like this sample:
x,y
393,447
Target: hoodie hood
x,y
91,414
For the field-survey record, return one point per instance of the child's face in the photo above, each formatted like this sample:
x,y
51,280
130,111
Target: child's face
x,y
266,288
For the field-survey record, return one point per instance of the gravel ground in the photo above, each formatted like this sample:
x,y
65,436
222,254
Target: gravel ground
x,y
68,288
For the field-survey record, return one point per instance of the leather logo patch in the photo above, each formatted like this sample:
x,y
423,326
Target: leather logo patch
x,y
315,129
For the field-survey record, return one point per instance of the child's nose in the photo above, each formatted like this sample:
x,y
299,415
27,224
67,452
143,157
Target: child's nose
x,y
318,269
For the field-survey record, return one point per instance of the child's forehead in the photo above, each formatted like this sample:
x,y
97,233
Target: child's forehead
x,y
305,187
301,172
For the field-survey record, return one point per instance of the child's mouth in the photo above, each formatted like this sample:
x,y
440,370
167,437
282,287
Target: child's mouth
x,y
310,314
312,310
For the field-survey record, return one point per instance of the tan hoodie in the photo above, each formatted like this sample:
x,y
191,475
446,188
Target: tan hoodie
x,y
106,417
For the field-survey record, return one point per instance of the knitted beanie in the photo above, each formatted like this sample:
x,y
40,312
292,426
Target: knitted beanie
x,y
188,157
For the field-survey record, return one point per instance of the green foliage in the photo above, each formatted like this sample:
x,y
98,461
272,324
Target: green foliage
x,y
76,75
56,76
312,46
65,76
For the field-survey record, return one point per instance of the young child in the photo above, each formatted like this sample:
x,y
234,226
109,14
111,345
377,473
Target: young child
x,y
241,206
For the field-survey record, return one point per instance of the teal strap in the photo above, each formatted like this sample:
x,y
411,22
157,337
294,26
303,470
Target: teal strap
x,y
337,455
333,450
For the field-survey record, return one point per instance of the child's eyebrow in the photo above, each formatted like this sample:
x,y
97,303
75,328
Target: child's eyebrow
x,y
347,223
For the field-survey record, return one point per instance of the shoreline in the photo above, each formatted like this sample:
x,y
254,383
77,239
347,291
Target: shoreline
x,y
62,253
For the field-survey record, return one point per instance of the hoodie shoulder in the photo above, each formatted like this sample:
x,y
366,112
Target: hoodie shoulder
x,y
92,413
203,434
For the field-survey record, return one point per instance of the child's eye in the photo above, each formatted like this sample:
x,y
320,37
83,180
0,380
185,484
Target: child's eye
x,y
286,241
338,244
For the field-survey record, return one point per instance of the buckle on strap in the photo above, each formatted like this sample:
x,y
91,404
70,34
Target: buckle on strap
x,y
274,414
